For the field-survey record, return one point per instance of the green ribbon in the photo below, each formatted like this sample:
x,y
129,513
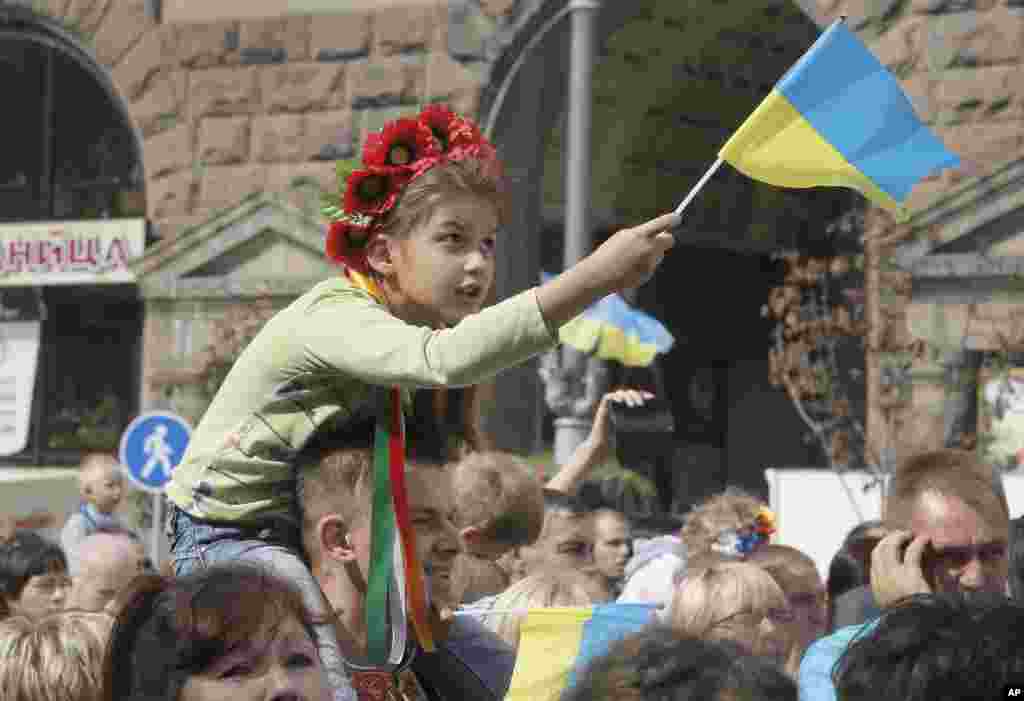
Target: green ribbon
x,y
382,543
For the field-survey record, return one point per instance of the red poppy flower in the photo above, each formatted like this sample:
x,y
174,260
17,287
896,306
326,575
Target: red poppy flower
x,y
438,118
374,191
463,132
346,243
401,143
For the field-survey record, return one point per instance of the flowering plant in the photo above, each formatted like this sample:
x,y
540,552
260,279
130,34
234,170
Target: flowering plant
x,y
739,542
392,158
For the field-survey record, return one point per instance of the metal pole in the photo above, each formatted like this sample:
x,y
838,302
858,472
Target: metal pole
x,y
581,70
158,518
571,429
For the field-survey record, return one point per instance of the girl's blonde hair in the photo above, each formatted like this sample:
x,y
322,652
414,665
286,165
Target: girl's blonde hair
x,y
732,509
545,589
706,598
58,657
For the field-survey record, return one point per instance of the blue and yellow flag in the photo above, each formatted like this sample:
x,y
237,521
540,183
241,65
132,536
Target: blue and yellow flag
x,y
838,118
556,644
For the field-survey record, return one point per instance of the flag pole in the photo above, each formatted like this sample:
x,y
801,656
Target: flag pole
x,y
696,188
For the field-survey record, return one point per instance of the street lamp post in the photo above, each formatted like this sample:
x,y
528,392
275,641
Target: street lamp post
x,y
573,382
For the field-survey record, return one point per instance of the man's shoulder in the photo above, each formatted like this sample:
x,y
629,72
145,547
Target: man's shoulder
x,y
821,656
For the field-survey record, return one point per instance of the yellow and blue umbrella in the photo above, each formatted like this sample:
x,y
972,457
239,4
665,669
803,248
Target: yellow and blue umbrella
x,y
611,329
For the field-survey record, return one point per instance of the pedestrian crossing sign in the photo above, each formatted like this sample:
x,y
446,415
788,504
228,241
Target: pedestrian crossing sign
x,y
151,447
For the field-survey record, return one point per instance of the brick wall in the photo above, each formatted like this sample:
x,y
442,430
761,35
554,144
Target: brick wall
x,y
229,107
959,61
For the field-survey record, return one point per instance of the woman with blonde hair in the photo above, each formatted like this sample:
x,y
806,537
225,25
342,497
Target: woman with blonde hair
x,y
797,575
58,657
734,601
545,589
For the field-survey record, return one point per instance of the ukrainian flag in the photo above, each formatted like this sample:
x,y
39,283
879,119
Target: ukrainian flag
x,y
838,118
556,644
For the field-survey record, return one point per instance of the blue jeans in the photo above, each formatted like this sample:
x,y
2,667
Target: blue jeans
x,y
196,544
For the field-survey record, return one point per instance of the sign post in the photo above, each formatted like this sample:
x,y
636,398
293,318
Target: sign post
x,y
151,447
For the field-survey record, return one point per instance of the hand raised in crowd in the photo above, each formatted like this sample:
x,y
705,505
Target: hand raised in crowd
x,y
602,437
598,445
896,574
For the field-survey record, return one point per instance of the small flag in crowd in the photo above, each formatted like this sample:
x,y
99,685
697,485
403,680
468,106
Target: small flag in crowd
x,y
839,118
611,329
556,644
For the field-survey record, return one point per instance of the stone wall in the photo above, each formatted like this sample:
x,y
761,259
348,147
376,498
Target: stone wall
x,y
959,61
230,107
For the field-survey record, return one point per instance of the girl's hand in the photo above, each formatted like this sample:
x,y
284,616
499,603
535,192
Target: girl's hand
x,y
630,257
601,437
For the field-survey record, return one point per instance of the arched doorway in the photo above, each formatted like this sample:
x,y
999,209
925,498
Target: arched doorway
x,y
672,80
72,171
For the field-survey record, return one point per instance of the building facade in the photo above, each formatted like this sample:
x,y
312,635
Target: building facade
x,y
233,114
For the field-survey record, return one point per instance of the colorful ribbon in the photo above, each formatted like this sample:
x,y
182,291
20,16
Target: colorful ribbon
x,y
390,513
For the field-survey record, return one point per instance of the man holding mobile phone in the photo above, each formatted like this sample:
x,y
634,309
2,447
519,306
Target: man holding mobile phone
x,y
948,528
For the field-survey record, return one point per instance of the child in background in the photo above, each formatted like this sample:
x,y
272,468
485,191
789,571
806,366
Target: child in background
x,y
499,504
416,232
101,485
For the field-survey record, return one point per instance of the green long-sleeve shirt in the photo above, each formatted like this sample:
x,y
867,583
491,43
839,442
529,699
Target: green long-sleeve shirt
x,y
316,361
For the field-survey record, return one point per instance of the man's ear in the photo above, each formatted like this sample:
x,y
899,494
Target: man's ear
x,y
471,535
332,537
378,255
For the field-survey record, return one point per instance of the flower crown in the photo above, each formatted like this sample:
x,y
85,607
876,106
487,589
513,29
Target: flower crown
x,y
392,158
740,542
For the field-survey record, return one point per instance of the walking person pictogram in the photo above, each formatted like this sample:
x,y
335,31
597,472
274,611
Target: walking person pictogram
x,y
155,446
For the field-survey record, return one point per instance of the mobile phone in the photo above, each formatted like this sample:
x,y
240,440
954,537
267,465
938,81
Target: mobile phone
x,y
864,548
653,416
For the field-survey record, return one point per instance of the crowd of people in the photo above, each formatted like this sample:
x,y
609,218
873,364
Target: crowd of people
x,y
916,605
367,384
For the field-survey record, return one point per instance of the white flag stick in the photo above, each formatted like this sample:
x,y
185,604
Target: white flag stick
x,y
696,188
470,611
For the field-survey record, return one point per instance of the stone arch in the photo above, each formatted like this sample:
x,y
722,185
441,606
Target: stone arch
x,y
27,24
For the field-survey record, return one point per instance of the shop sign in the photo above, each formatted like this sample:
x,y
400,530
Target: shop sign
x,y
71,252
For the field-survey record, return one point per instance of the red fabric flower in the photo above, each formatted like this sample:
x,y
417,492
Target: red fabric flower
x,y
346,243
463,132
400,144
374,191
481,151
438,118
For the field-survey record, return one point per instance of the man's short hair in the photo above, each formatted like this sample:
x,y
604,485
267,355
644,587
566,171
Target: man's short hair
x,y
499,494
24,556
657,664
58,657
334,471
945,646
949,473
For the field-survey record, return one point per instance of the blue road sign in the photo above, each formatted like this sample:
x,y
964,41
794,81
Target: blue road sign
x,y
152,446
